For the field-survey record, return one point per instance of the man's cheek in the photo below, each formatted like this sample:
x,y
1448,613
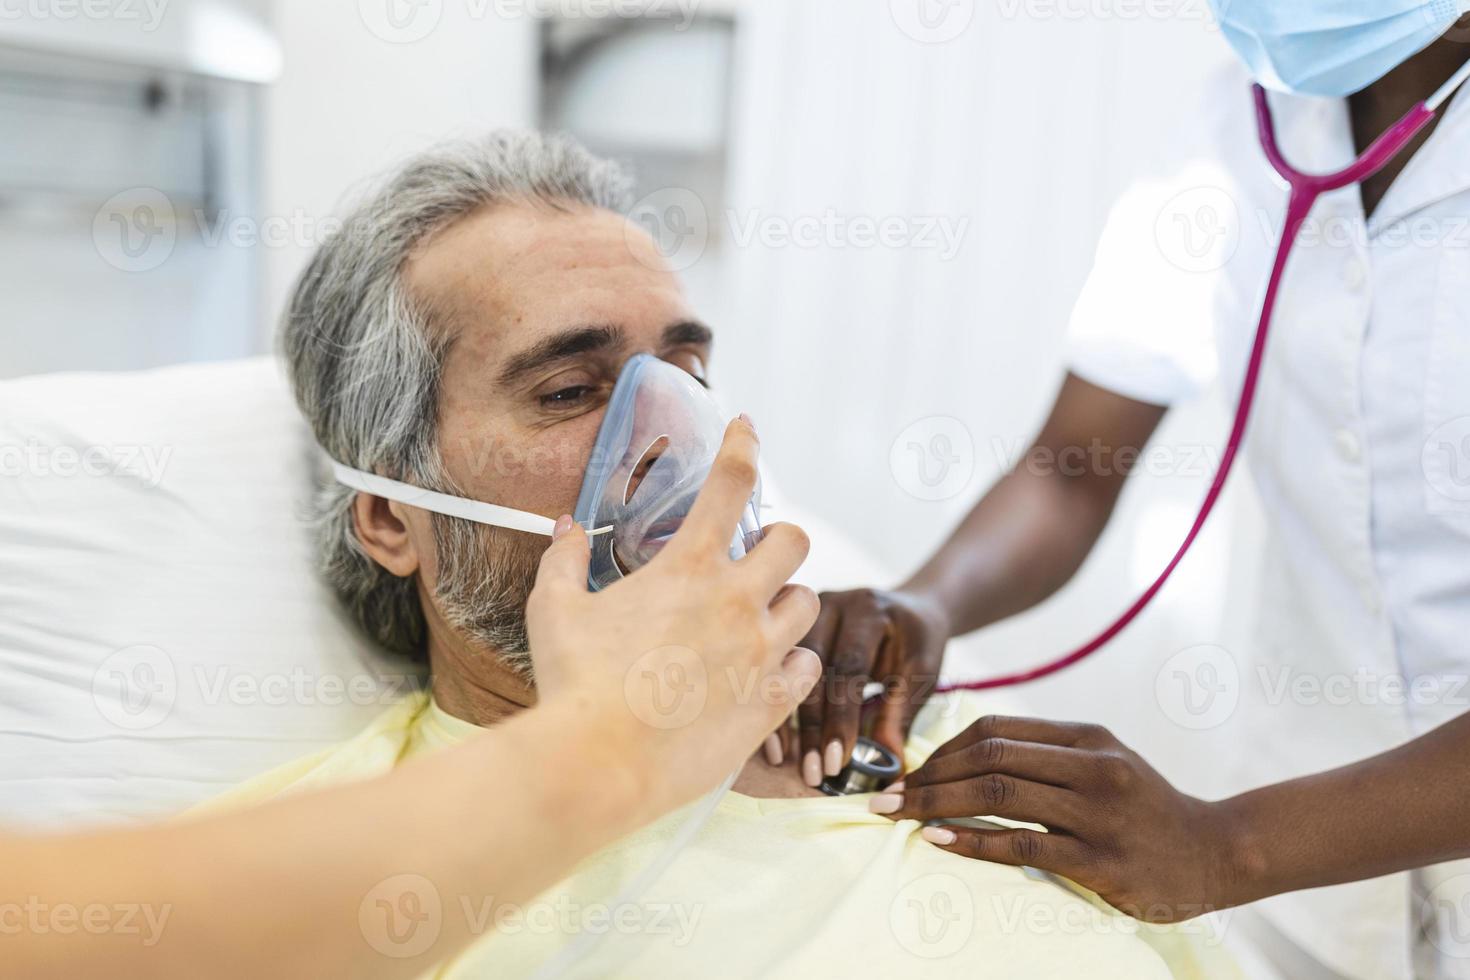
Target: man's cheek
x,y
547,477
554,464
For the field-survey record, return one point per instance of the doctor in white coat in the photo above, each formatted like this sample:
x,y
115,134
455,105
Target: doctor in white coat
x,y
1360,449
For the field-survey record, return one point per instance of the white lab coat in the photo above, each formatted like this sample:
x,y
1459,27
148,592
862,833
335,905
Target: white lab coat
x,y
1360,449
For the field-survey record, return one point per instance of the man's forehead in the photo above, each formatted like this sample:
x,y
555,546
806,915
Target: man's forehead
x,y
506,245
502,276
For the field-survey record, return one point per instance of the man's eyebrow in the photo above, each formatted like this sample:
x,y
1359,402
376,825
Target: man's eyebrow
x,y
559,347
688,332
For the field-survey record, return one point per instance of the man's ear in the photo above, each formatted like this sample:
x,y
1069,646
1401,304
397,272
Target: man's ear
x,y
384,534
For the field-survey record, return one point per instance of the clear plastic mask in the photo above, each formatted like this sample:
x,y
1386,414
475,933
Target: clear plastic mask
x,y
653,454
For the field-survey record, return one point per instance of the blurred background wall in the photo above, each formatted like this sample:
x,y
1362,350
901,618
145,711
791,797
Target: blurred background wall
x,y
886,207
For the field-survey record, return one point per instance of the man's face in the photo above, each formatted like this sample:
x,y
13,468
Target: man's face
x,y
544,307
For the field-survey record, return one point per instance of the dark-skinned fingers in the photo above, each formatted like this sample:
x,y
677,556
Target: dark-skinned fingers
x,y
1058,765
1030,848
895,716
854,653
824,630
902,696
1025,730
992,795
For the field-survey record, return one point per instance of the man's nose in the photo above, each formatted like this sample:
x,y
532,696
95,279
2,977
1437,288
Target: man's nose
x,y
645,463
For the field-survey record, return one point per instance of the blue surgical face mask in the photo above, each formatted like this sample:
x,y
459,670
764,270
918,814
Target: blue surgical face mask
x,y
1331,48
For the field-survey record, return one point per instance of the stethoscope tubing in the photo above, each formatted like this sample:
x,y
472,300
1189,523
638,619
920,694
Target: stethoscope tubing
x,y
1305,189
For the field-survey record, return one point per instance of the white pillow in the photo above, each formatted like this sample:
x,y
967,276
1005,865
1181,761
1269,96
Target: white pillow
x,y
163,634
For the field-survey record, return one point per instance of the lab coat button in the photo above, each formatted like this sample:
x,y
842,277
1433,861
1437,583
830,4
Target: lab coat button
x,y
1348,446
1354,276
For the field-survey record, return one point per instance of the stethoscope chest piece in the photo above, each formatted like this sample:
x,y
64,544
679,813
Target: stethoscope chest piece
x,y
871,768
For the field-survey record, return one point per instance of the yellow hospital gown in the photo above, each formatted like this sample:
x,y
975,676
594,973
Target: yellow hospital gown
x,y
810,887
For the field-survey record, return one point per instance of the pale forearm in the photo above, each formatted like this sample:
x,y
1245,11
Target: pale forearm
x,y
267,893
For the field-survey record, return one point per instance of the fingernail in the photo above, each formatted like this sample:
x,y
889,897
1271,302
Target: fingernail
x,y
895,788
938,835
886,803
832,761
563,525
773,749
748,421
811,769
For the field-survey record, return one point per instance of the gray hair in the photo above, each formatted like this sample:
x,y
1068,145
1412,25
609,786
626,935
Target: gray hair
x,y
365,364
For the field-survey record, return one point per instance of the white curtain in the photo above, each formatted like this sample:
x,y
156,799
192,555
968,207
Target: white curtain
x,y
1020,130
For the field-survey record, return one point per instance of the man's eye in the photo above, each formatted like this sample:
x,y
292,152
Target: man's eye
x,y
566,396
693,365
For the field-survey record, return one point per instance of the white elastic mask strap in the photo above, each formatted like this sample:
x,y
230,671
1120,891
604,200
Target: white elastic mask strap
x,y
442,503
1455,81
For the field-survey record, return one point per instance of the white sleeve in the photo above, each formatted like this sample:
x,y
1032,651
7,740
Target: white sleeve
x,y
1144,324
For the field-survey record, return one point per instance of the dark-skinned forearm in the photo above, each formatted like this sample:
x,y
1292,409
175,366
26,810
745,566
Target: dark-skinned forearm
x,y
1024,540
1403,809
1028,536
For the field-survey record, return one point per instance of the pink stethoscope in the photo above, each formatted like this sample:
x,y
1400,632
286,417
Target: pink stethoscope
x,y
1305,190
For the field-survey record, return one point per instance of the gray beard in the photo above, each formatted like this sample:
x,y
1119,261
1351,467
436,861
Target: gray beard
x,y
485,577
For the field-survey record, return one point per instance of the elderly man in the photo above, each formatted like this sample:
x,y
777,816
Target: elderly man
x,y
462,334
